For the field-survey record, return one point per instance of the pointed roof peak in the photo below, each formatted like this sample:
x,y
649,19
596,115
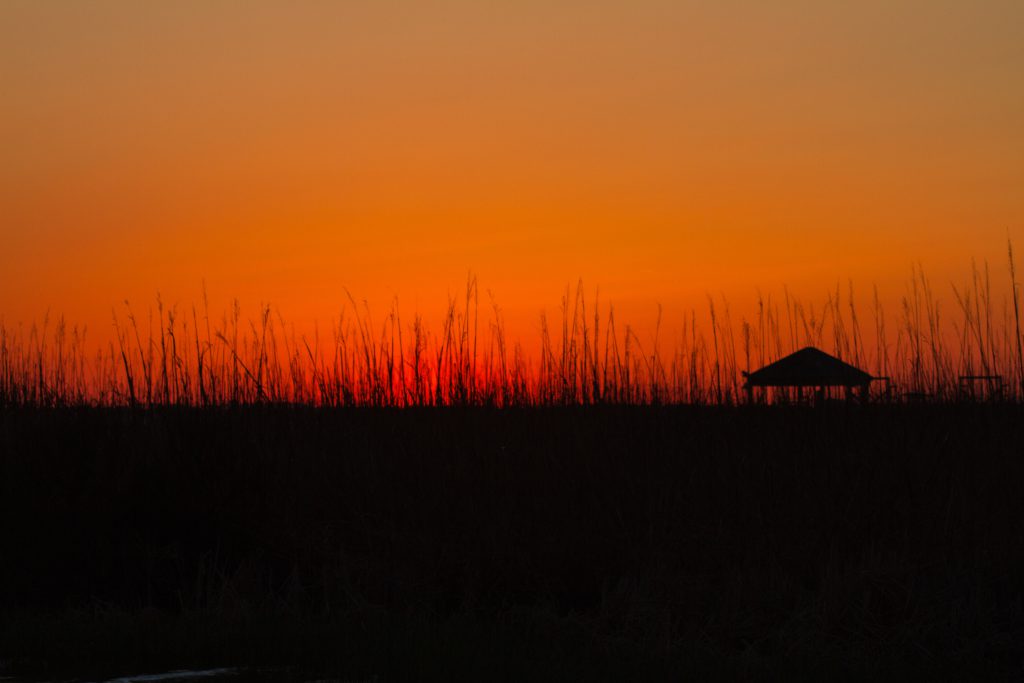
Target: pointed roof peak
x,y
808,367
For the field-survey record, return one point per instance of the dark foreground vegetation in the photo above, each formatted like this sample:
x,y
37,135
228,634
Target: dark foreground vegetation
x,y
601,543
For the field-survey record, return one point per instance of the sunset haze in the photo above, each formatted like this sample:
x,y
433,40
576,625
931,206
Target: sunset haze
x,y
285,153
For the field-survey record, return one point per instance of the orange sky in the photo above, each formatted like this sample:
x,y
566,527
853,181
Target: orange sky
x,y
284,151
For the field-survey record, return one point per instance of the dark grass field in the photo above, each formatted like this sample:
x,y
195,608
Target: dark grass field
x,y
676,543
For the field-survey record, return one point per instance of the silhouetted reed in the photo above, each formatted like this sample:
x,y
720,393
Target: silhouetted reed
x,y
176,356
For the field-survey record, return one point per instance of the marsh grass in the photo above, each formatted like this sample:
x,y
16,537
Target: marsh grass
x,y
381,500
188,357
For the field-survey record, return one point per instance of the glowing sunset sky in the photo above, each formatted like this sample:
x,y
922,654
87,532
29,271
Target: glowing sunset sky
x,y
285,151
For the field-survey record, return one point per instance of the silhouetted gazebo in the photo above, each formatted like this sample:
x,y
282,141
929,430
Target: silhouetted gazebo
x,y
809,367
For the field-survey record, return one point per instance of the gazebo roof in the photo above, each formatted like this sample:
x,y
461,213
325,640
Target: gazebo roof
x,y
808,367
